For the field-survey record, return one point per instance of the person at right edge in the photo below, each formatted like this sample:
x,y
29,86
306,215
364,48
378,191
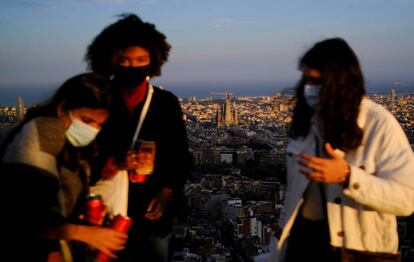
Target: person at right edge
x,y
350,166
129,52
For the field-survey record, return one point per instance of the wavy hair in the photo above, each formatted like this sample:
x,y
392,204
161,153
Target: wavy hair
x,y
340,96
84,90
129,31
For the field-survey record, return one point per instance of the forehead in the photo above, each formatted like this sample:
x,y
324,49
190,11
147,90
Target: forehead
x,y
310,72
96,114
134,51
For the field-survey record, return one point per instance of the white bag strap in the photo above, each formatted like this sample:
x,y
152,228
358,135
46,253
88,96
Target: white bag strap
x,y
143,115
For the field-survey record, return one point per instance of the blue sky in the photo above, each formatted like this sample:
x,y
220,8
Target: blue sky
x,y
217,44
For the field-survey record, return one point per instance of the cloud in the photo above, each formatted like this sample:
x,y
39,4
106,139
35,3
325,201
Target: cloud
x,y
382,2
101,1
34,4
142,2
229,23
222,23
25,4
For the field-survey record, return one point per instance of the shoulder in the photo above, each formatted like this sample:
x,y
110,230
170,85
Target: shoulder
x,y
373,113
51,132
37,144
164,95
49,121
44,122
372,108
380,122
46,134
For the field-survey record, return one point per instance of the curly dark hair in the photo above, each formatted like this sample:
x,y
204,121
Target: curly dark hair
x,y
129,31
340,96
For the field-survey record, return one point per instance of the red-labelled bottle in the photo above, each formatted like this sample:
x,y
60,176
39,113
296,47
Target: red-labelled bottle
x,y
95,209
136,177
143,158
121,224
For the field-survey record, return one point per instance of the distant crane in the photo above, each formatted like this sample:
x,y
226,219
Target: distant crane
x,y
226,94
398,83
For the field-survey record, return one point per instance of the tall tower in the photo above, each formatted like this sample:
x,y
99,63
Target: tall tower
x,y
392,94
19,109
228,117
219,118
235,118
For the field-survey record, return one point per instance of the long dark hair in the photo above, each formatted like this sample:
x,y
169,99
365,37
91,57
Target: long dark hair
x,y
85,90
129,31
340,96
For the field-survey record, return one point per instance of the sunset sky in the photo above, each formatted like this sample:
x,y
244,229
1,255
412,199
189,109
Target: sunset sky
x,y
217,44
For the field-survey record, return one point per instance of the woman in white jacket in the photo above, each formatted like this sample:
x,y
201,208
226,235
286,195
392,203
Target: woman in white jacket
x,y
350,166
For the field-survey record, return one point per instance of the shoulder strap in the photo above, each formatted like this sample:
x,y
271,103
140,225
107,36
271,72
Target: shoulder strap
x,y
319,153
143,115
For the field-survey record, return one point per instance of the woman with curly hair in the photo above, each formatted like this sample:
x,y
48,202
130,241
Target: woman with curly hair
x,y
143,118
350,166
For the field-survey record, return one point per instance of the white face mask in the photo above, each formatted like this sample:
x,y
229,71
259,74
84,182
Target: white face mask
x,y
79,133
311,93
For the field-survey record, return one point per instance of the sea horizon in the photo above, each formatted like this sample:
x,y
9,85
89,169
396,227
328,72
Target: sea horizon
x,y
39,94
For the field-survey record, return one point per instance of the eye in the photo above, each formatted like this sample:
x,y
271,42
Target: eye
x,y
123,60
142,60
312,80
87,120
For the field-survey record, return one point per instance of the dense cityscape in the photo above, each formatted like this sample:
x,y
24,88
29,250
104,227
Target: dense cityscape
x,y
237,189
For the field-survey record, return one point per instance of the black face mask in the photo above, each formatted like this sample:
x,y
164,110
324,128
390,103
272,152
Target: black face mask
x,y
130,76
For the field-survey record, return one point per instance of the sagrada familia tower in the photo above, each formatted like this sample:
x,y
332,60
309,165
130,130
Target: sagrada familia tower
x,y
226,115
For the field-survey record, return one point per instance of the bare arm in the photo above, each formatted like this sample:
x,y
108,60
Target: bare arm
x,y
104,239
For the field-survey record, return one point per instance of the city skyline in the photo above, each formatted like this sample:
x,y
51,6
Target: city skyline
x,y
233,45
238,180
38,95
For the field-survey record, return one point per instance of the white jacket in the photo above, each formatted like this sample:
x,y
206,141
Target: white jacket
x,y
381,186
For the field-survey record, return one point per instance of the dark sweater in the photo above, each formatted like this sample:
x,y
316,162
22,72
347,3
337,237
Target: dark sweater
x,y
163,125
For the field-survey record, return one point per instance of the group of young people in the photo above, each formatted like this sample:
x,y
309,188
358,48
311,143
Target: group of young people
x,y
84,140
350,166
